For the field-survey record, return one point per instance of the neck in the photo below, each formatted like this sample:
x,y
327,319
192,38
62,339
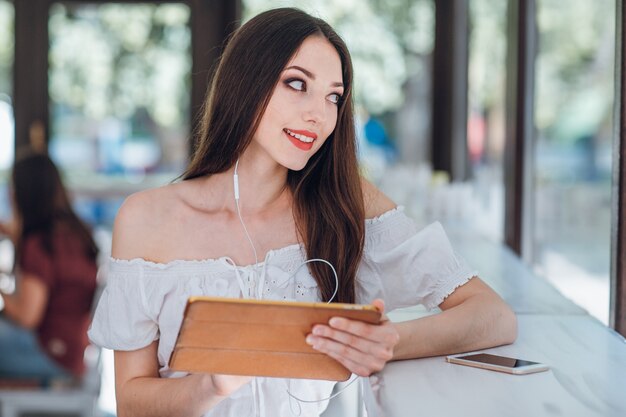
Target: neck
x,y
262,184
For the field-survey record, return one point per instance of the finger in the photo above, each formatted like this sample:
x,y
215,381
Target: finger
x,y
353,359
349,339
380,340
359,350
359,368
378,333
354,327
379,304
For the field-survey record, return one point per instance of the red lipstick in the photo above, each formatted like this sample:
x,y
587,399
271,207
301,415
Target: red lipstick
x,y
304,133
305,146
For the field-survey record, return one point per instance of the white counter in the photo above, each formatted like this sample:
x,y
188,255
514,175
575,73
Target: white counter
x,y
587,360
587,377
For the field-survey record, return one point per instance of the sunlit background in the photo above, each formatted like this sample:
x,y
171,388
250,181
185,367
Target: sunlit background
x,y
119,87
573,160
119,98
7,125
571,175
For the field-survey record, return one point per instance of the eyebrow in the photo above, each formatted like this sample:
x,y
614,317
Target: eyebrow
x,y
311,75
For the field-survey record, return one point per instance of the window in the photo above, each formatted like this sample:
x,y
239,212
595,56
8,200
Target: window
x,y
573,163
7,124
119,84
486,113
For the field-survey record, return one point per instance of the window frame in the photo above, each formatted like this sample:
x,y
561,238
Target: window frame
x,y
519,150
521,51
211,23
450,82
617,292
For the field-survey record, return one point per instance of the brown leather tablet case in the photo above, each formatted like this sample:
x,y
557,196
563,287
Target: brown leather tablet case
x,y
259,338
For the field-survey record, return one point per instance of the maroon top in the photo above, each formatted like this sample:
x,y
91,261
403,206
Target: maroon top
x,y
70,276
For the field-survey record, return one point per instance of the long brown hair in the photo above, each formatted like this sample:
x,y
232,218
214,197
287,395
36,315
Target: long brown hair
x,y
42,204
328,201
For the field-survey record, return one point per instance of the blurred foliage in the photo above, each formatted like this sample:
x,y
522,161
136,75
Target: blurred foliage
x,y
487,53
575,68
110,60
384,37
412,23
116,60
6,46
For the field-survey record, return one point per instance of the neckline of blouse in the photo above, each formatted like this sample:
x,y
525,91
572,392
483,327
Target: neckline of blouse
x,y
289,252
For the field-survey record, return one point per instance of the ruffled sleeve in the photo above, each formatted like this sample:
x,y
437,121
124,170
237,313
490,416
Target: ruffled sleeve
x,y
406,267
123,319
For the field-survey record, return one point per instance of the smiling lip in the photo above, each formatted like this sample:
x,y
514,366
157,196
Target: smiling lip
x,y
304,132
305,146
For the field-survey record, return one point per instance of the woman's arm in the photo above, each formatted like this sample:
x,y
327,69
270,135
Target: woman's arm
x,y
473,317
139,389
27,304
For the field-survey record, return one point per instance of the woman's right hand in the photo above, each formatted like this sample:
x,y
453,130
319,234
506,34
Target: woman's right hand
x,y
225,385
141,392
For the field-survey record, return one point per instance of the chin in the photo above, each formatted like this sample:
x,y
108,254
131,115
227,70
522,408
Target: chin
x,y
295,164
296,167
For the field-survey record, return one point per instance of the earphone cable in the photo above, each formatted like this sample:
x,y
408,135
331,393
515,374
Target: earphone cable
x,y
256,259
245,229
299,400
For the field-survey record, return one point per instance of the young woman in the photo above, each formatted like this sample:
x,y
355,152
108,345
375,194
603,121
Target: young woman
x,y
43,328
279,117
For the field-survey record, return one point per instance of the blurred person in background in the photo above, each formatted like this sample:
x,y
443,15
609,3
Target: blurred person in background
x,y
43,324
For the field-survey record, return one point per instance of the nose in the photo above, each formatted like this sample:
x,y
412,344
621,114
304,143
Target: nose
x,y
315,110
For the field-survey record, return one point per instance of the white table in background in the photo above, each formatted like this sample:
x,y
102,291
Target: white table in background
x,y
497,265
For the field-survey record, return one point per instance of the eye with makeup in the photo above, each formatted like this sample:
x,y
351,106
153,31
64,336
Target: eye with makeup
x,y
296,84
335,98
300,85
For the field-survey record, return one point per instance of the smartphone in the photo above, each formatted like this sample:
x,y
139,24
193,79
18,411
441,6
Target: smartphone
x,y
498,363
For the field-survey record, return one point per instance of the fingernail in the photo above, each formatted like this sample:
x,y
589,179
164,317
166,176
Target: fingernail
x,y
334,321
317,330
310,340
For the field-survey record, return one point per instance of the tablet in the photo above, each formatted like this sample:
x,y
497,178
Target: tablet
x,y
259,338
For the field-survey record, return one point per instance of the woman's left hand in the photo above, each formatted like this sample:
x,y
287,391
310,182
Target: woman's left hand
x,y
361,347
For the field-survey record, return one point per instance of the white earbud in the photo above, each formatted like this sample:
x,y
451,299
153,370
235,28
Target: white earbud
x,y
236,184
245,229
236,181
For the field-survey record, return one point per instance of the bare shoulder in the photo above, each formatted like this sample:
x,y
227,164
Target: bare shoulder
x,y
375,201
140,219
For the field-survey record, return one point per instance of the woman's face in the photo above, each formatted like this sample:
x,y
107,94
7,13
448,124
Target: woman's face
x,y
302,111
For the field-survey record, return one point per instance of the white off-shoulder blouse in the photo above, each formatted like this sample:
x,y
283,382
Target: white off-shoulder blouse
x,y
144,301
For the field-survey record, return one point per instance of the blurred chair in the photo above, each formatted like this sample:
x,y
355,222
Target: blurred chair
x,y
79,400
